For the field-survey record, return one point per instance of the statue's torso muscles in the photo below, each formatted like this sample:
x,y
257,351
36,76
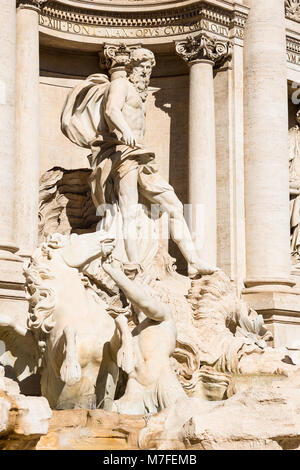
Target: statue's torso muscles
x,y
134,113
153,345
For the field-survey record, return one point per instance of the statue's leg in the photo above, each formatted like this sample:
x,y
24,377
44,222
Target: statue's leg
x,y
128,202
70,371
107,380
180,233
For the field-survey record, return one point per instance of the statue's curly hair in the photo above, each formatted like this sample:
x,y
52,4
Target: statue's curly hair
x,y
41,299
139,55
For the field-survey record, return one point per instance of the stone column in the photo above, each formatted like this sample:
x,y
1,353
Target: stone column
x,y
266,145
11,279
27,124
268,284
202,54
7,126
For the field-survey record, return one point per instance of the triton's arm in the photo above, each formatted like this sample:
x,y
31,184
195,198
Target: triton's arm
x,y
139,295
116,97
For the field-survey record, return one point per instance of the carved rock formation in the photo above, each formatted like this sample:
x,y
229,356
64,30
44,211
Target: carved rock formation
x,y
260,418
65,203
23,420
263,418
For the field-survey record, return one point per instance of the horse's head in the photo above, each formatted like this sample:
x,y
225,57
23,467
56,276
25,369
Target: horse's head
x,y
49,267
77,251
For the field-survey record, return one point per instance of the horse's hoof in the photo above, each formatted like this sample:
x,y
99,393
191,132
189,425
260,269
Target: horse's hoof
x,y
70,372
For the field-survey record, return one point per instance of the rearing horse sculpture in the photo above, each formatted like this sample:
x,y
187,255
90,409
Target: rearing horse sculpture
x,y
68,325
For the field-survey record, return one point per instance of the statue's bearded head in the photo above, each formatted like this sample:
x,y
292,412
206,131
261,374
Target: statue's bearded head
x,y
139,69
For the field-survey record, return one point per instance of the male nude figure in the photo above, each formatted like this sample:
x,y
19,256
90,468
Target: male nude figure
x,y
109,118
124,111
146,351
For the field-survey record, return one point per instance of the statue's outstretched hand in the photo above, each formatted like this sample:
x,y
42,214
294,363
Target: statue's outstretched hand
x,y
129,139
107,247
110,263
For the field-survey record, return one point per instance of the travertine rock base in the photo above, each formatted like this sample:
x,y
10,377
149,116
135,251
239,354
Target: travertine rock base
x,y
265,416
92,430
260,418
22,419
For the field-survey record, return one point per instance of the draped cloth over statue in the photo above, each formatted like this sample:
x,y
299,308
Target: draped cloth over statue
x,y
83,122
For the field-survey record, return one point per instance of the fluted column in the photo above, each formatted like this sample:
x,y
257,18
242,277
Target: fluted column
x,y
266,145
7,125
27,124
202,54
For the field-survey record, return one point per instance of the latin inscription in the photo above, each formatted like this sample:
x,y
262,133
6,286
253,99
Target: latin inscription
x,y
130,33
293,58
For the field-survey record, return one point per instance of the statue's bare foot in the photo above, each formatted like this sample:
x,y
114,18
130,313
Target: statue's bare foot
x,y
196,270
70,371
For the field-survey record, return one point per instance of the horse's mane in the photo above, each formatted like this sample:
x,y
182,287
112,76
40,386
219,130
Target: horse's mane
x,y
214,299
213,294
42,299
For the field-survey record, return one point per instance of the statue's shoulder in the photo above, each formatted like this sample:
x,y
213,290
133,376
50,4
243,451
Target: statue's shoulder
x,y
121,82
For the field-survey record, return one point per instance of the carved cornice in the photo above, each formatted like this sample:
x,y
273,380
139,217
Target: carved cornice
x,y
32,4
204,48
292,9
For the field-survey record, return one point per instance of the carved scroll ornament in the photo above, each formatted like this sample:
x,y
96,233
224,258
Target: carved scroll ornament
x,y
204,47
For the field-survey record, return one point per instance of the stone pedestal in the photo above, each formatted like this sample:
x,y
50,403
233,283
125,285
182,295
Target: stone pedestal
x,y
280,307
202,54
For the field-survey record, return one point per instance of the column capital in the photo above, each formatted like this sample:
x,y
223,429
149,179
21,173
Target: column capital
x,y
204,48
292,9
32,4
